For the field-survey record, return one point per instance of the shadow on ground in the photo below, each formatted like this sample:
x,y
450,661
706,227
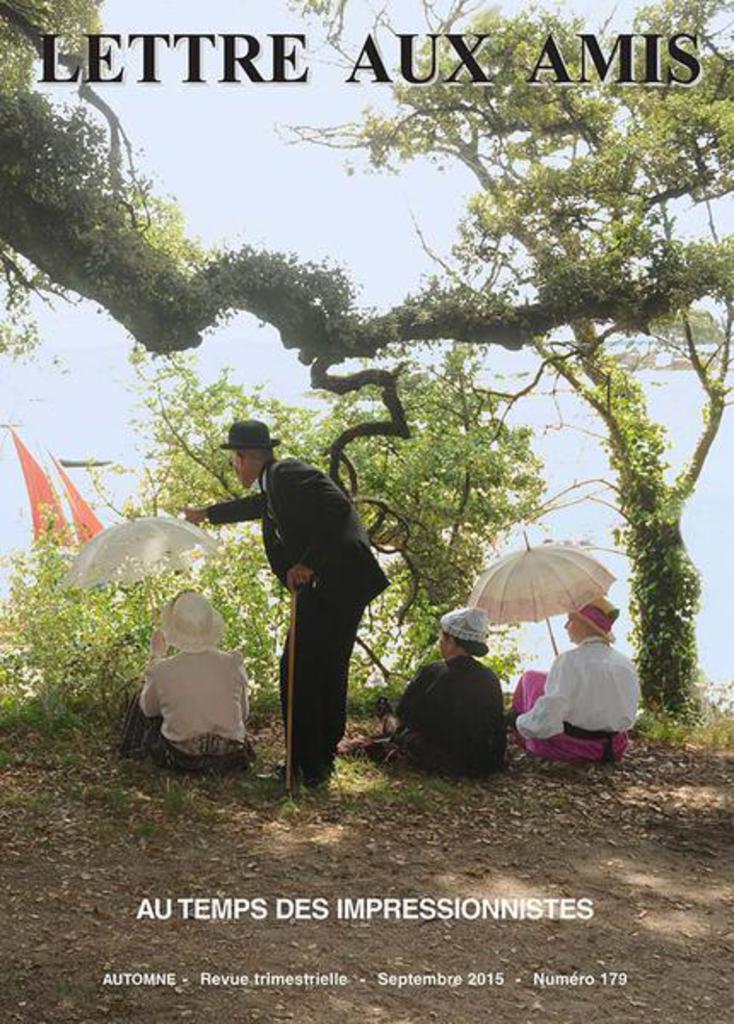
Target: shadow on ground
x,y
87,838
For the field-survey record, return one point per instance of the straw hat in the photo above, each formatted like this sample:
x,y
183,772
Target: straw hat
x,y
601,615
191,624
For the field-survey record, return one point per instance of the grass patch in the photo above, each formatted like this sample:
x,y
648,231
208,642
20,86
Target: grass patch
x,y
35,715
69,759
716,732
359,781
35,802
144,829
177,800
119,801
289,809
264,708
142,800
186,798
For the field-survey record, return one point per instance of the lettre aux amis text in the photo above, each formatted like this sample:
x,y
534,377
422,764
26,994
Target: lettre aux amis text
x,y
451,59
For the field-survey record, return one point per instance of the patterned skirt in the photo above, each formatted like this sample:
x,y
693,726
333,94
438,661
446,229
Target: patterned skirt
x,y
142,737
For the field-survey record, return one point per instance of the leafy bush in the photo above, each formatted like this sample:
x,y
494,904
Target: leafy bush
x,y
66,652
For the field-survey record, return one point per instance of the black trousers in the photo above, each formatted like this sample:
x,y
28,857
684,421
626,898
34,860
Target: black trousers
x,y
325,633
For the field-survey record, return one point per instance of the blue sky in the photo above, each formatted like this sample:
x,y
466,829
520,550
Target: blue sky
x,y
220,152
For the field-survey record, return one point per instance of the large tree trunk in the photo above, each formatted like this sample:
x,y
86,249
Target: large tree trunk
x,y
664,583
665,595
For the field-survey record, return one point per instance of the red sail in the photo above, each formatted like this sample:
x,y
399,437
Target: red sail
x,y
85,521
45,505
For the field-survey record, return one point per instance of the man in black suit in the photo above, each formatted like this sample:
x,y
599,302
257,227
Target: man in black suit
x,y
316,545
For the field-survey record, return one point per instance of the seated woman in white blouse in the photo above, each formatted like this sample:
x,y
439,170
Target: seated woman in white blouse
x,y
581,710
191,712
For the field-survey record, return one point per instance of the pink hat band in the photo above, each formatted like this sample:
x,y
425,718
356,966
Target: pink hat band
x,y
598,617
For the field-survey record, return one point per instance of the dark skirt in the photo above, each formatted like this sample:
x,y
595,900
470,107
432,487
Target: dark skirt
x,y
142,737
409,747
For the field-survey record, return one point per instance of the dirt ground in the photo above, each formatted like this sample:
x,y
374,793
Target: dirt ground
x,y
85,838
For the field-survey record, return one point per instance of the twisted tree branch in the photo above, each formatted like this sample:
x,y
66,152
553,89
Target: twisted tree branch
x,y
387,382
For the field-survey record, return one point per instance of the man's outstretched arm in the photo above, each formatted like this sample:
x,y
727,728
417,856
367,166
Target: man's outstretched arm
x,y
240,510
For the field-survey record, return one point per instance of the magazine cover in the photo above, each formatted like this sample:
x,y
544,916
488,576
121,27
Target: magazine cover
x,y
366,470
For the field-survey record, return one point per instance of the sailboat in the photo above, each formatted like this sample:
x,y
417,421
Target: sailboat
x,y
47,511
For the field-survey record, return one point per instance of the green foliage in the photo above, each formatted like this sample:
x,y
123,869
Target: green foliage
x,y
68,18
18,330
574,224
66,652
182,426
665,587
67,207
574,183
715,733
579,194
435,537
20,713
446,493
58,160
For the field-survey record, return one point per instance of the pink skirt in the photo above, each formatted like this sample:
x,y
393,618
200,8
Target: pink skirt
x,y
561,747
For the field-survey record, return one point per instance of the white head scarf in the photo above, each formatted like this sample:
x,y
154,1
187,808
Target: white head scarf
x,y
466,624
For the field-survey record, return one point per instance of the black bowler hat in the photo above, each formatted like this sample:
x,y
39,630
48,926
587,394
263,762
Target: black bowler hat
x,y
249,434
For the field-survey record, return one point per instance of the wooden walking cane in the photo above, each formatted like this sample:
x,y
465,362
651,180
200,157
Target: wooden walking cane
x,y
290,692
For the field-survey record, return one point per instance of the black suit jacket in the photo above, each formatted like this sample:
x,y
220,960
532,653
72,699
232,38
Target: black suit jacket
x,y
307,519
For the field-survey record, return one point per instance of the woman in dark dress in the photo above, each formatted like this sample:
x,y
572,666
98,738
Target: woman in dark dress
x,y
450,718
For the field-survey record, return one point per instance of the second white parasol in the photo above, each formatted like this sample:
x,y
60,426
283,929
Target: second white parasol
x,y
536,583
